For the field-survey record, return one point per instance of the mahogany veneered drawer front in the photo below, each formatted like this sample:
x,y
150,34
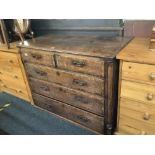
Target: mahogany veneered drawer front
x,y
138,72
77,81
138,91
83,64
92,103
37,57
75,114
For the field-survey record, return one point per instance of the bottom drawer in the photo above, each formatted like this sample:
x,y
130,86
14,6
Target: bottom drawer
x,y
132,126
82,117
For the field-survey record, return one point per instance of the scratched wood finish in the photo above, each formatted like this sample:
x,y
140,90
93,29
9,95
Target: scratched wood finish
x,y
37,57
93,66
73,97
77,81
85,118
83,77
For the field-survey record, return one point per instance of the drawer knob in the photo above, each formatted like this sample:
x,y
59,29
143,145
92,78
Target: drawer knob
x,y
36,56
146,116
143,133
15,76
19,91
152,76
11,61
149,96
79,82
78,63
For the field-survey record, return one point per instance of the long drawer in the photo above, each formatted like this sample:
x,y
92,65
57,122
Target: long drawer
x,y
138,91
138,72
73,97
73,80
80,116
37,56
83,64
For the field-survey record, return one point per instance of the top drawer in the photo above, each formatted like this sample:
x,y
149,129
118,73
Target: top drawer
x,y
8,59
138,72
37,56
88,65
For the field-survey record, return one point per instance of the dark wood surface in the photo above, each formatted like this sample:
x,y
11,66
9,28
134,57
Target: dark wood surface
x,y
75,77
85,101
97,46
75,114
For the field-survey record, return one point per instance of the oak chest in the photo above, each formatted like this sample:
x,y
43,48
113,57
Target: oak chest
x,y
75,77
12,74
137,88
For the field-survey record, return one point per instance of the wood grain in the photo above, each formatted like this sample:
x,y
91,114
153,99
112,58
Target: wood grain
x,y
138,91
37,57
77,81
143,73
73,97
82,64
80,116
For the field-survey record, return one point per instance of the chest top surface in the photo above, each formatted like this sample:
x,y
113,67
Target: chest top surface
x,y
84,45
12,49
138,51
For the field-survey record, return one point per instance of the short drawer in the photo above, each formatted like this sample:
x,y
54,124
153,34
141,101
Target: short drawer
x,y
73,80
128,125
82,64
82,117
139,72
92,103
138,91
37,57
8,59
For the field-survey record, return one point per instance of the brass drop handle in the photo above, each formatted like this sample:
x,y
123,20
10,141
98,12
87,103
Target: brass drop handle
x,y
79,82
149,96
81,99
36,56
146,116
83,119
78,63
45,88
152,76
42,73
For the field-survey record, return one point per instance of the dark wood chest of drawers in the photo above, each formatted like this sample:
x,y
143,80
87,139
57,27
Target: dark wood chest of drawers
x,y
75,77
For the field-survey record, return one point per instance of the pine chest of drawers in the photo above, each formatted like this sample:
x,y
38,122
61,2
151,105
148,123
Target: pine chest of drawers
x,y
137,88
12,74
75,77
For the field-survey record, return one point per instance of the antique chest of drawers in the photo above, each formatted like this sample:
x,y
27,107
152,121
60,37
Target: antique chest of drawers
x,y
137,88
12,74
75,77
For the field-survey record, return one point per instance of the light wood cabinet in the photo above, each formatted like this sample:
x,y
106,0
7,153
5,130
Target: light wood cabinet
x,y
136,108
12,74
